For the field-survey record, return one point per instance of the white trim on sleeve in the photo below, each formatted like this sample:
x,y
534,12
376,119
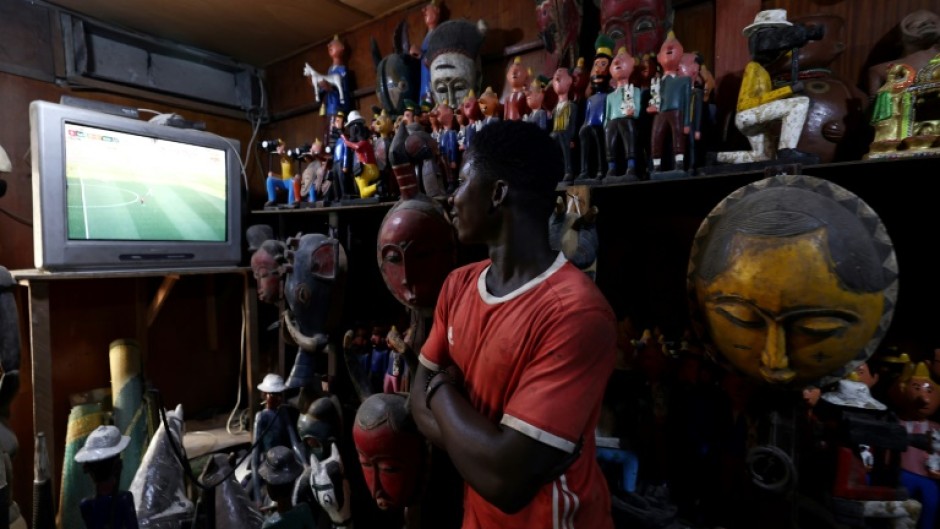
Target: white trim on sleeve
x,y
538,434
428,364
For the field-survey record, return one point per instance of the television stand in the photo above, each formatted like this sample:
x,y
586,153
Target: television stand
x,y
45,292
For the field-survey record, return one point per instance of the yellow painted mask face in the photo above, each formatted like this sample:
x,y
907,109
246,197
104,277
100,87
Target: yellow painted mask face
x,y
779,313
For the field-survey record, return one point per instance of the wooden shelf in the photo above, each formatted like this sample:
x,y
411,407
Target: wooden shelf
x,y
324,209
33,274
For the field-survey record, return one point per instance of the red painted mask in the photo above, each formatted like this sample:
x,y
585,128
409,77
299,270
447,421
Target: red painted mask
x,y
415,251
267,276
558,22
639,25
391,451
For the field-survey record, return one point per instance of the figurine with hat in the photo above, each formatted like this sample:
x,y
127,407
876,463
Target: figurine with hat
x,y
275,425
593,141
365,171
761,107
280,469
101,459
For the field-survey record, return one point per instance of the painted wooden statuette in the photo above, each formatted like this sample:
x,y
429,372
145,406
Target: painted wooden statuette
x,y
761,107
835,125
591,135
671,112
620,120
517,78
365,172
916,398
333,86
100,457
273,426
564,120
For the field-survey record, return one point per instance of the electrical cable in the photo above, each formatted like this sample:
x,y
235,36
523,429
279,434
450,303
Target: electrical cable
x,y
17,218
241,368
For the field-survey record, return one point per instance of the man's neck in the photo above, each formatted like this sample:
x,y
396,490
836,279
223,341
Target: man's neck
x,y
519,256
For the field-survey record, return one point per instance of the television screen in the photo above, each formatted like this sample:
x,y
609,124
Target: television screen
x,y
112,192
123,186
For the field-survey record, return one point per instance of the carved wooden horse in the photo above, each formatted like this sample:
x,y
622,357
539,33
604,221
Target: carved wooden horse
x,y
333,78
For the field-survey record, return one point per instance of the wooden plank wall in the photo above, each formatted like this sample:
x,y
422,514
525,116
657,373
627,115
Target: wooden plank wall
x,y
871,28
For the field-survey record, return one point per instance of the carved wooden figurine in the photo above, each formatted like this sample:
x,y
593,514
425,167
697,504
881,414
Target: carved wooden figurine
x,y
761,106
282,180
891,114
274,426
101,458
366,172
671,112
593,142
835,126
534,98
432,17
280,469
916,398
620,121
517,78
564,120
335,85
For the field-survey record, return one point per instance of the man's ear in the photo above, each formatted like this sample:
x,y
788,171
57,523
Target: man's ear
x,y
500,190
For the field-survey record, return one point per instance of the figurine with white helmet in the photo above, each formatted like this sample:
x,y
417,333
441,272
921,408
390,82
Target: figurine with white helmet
x,y
274,426
366,171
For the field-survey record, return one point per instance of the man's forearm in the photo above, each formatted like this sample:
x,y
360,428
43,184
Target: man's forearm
x,y
501,464
423,417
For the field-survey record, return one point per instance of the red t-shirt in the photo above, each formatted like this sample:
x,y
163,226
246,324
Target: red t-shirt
x,y
536,360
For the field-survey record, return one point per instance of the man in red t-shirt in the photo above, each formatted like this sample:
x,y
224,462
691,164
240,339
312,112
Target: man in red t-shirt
x,y
514,369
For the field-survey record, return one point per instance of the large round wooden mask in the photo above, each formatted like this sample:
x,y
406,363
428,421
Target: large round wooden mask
x,y
792,281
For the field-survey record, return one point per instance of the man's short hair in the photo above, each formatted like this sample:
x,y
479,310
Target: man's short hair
x,y
522,154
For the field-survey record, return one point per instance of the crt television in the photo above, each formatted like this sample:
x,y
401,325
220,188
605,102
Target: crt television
x,y
112,192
